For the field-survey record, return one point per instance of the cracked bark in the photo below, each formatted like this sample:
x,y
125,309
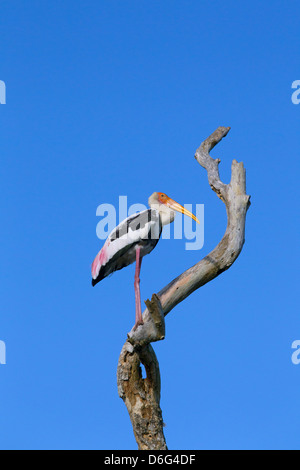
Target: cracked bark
x,y
142,395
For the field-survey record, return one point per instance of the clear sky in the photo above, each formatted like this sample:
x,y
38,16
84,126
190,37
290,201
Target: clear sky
x,y
109,98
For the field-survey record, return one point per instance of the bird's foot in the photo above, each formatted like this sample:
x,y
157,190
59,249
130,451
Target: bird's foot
x,y
137,324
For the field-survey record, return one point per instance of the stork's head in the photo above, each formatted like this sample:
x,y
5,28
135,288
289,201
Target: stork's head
x,y
167,207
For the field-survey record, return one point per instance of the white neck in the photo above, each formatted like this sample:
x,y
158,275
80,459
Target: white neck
x,y
166,214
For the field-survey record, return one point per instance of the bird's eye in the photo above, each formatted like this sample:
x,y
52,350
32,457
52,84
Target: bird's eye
x,y
162,197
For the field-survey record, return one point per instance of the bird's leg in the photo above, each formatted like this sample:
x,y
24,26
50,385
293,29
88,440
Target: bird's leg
x,y
138,308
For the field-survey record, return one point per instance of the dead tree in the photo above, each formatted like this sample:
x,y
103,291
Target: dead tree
x,y
142,395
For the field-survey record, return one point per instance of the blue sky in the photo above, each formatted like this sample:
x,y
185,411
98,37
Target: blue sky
x,y
109,98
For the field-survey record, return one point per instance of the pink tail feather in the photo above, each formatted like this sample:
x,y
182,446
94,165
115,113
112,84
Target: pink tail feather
x,y
99,261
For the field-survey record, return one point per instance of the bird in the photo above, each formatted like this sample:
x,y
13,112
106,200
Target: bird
x,y
135,238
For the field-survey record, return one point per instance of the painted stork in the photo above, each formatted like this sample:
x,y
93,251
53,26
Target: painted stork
x,y
134,238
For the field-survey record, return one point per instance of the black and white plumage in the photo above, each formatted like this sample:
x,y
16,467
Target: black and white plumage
x,y
142,229
134,238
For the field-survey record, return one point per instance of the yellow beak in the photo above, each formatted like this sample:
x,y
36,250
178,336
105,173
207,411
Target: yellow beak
x,y
177,207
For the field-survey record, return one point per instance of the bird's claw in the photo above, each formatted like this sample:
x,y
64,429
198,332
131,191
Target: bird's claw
x,y
137,324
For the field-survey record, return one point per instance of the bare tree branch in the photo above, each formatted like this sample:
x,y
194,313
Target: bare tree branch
x,y
144,394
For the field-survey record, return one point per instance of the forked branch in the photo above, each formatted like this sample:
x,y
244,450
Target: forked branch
x,y
142,396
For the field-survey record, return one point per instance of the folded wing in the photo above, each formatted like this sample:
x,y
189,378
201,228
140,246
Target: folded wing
x,y
118,251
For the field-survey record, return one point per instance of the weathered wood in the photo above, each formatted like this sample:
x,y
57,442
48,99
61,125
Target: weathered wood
x,y
142,395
